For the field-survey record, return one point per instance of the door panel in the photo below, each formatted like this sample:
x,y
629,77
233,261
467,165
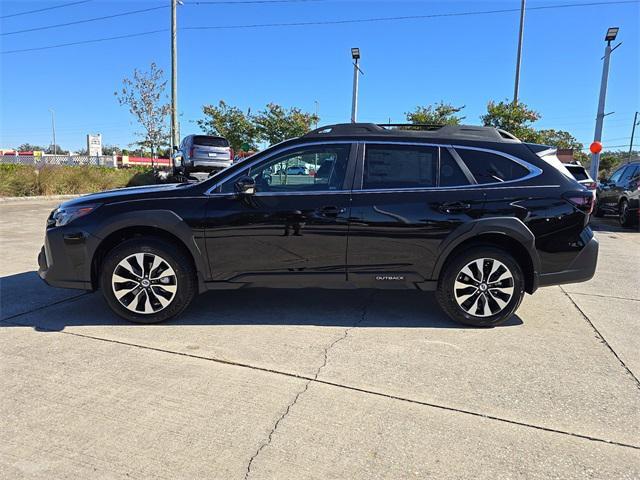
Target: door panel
x,y
275,234
400,215
294,224
398,234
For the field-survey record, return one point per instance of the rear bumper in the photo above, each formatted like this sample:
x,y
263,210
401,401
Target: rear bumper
x,y
581,269
207,163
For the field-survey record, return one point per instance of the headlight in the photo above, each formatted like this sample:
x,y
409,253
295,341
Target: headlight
x,y
64,216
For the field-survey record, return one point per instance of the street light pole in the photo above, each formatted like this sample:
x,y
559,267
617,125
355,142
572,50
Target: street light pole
x,y
597,137
355,54
516,88
175,133
633,132
53,129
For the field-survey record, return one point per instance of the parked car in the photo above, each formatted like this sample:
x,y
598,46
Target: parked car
x,y
297,170
582,177
620,194
469,212
204,153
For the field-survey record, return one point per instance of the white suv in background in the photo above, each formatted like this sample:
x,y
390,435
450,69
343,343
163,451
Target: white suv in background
x,y
206,153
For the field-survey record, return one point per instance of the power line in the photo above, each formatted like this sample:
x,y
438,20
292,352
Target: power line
x,y
327,22
59,45
46,8
224,2
95,19
405,17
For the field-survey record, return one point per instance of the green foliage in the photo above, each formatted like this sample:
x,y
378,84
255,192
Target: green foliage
x,y
229,122
275,123
27,147
518,120
26,180
515,119
435,114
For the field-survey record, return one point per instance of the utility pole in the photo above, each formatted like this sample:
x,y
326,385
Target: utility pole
x,y
317,109
355,54
597,137
516,88
53,129
633,132
175,131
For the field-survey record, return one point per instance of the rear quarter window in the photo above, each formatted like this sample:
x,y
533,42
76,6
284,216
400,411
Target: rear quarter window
x,y
579,173
210,141
489,167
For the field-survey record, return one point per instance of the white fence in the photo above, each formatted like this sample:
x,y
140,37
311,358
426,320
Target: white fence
x,y
70,160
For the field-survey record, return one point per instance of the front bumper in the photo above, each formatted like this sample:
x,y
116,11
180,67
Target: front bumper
x,y
64,260
581,269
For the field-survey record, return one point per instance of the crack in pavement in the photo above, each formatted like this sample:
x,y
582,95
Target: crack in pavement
x,y
601,338
315,379
344,335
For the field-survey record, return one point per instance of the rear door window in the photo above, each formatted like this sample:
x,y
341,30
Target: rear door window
x,y
207,141
399,166
489,167
451,174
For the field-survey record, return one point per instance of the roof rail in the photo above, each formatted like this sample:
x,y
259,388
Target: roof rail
x,y
468,132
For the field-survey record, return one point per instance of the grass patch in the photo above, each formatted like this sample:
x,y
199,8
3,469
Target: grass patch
x,y
27,180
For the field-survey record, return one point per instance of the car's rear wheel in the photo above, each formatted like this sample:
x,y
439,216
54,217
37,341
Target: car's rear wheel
x,y
597,211
624,215
147,280
481,287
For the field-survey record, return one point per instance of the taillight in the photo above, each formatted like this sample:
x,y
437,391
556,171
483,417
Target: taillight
x,y
591,186
582,200
191,152
231,154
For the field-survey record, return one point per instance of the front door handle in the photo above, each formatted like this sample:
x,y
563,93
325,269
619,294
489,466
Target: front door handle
x,y
454,207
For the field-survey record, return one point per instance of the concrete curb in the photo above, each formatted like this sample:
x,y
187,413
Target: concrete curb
x,y
38,197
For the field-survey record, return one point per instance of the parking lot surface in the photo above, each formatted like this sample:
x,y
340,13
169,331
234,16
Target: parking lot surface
x,y
293,384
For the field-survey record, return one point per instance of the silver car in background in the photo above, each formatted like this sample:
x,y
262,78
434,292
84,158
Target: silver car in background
x,y
205,153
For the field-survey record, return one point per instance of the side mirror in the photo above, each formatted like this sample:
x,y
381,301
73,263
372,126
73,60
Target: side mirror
x,y
245,186
175,148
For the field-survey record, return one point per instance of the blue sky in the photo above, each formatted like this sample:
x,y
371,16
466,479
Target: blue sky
x,y
465,60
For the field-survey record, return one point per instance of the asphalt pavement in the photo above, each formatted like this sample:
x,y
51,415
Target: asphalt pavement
x,y
318,384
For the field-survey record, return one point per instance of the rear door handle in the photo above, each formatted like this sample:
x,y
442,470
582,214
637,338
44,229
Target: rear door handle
x,y
331,211
453,207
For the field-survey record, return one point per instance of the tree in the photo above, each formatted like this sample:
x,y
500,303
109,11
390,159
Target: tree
x,y
231,123
27,147
275,123
515,119
57,150
111,150
145,97
559,139
438,114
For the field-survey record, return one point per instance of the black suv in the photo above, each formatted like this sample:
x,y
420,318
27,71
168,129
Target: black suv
x,y
620,194
469,212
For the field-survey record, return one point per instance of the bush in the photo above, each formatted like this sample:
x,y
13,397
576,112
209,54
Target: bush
x,y
27,180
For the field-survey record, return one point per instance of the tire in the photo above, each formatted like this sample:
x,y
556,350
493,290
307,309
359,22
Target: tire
x,y
474,307
597,211
624,216
148,280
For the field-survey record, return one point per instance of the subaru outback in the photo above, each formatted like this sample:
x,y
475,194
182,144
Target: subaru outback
x,y
469,212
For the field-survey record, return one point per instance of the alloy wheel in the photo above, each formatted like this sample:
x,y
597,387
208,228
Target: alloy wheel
x,y
484,287
144,283
624,211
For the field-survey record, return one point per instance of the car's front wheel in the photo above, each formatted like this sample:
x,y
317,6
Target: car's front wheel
x,y
147,280
481,287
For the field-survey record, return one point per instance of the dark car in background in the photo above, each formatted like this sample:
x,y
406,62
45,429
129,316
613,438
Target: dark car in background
x,y
620,194
582,176
471,213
